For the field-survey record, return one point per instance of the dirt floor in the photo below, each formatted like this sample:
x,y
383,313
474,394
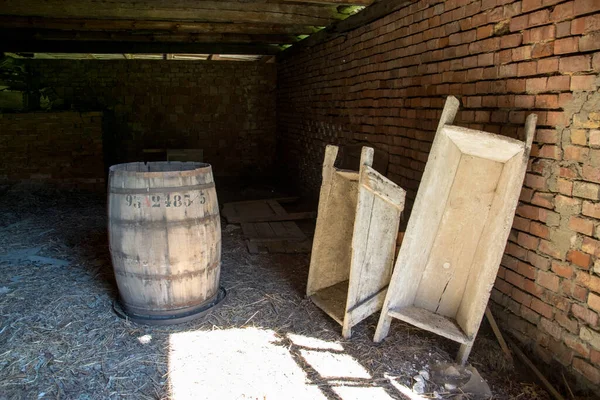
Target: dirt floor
x,y
59,337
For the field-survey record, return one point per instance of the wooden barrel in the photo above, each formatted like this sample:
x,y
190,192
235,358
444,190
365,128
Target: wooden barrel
x,y
165,240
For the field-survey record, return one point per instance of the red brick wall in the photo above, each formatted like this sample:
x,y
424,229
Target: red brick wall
x,y
62,148
384,84
224,108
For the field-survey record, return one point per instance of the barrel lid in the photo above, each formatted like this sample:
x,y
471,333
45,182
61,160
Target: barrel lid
x,y
160,168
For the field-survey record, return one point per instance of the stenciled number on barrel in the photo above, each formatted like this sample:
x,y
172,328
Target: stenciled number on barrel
x,y
133,201
171,200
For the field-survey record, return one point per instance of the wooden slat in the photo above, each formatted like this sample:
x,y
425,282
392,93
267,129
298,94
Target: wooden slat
x,y
338,2
431,322
276,207
332,300
182,10
11,44
122,36
135,25
272,231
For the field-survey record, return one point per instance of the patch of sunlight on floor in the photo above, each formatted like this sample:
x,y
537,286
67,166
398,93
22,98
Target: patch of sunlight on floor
x,y
257,364
361,393
334,365
313,343
246,363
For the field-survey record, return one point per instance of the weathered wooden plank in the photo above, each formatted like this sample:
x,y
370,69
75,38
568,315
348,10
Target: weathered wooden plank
x,y
182,10
338,2
431,322
330,258
276,207
136,25
135,37
12,44
268,210
332,300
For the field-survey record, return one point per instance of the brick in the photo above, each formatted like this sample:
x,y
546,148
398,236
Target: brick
x,y
579,258
527,68
587,316
541,17
591,209
585,6
547,65
557,83
595,138
586,190
527,241
546,101
591,174
538,261
573,342
548,280
562,11
542,308
590,246
575,63
542,199
536,85
569,324
514,279
594,301
585,24
578,137
587,370
562,270
585,82
539,230
510,41
591,337
566,45
581,225
540,34
540,50
564,186
589,281
551,327
563,29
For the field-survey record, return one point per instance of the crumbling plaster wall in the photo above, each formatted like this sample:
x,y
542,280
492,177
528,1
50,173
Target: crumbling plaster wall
x,y
384,85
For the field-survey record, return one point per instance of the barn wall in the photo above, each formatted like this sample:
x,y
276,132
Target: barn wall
x,y
224,108
62,148
385,84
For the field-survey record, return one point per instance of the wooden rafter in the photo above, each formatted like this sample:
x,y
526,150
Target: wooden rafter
x,y
182,10
79,25
104,47
337,2
49,35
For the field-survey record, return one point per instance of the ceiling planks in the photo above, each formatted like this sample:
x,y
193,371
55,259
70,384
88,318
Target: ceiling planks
x,y
166,26
180,10
133,25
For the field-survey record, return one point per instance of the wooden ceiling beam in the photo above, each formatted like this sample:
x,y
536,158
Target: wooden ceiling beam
x,y
335,2
102,47
90,36
75,24
177,10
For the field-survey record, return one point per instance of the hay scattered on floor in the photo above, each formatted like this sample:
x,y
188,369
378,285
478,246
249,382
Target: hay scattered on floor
x,y
59,337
